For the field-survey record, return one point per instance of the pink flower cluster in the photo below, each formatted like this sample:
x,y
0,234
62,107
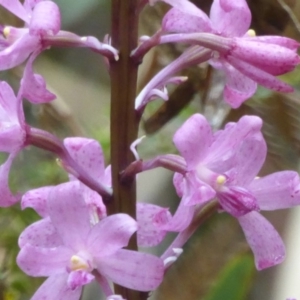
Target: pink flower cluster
x,y
76,242
246,59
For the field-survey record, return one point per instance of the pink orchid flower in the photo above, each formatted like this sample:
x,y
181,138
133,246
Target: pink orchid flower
x,y
224,166
88,154
246,59
85,251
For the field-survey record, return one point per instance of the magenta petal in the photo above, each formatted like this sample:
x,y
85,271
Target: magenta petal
x,y
107,176
55,287
181,219
9,104
222,153
111,234
15,7
263,239
40,234
6,197
79,278
45,19
277,191
69,214
238,87
270,58
230,18
18,52
193,139
37,261
11,137
149,218
37,199
237,201
12,129
250,158
176,20
134,270
33,85
196,191
94,202
277,40
88,154
185,6
260,76
179,184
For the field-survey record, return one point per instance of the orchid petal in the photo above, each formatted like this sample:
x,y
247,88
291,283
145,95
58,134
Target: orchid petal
x,y
79,278
45,19
134,270
15,7
107,176
185,6
179,184
55,287
175,20
249,160
271,58
111,234
37,199
181,219
37,261
276,40
94,201
69,214
193,139
10,105
149,218
30,4
277,191
6,197
12,129
263,239
196,191
222,152
18,52
230,18
237,201
238,87
34,85
40,234
260,76
88,154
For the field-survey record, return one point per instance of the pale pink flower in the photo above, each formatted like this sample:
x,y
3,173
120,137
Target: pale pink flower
x,y
246,60
224,166
85,250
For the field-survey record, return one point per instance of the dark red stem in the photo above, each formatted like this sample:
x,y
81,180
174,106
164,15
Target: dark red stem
x,y
124,120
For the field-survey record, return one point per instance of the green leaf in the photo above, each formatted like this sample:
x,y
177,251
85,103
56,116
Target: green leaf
x,y
234,281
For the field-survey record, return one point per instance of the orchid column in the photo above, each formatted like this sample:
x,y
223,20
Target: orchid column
x,y
124,121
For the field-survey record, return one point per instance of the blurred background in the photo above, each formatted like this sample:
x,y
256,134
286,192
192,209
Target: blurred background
x,y
217,263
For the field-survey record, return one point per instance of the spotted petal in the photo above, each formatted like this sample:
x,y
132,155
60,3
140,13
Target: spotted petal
x,y
193,140
55,287
277,191
263,239
127,268
41,234
230,18
37,261
150,217
69,214
176,20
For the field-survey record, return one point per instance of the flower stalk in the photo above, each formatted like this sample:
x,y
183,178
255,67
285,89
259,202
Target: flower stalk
x,y
124,120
